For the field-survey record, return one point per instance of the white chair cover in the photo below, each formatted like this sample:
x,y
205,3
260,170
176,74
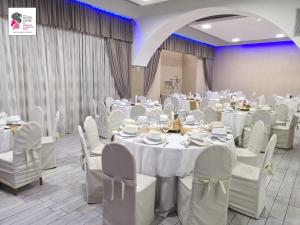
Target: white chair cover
x,y
102,121
282,113
36,114
167,101
271,101
142,99
210,115
22,165
94,146
203,198
48,150
261,100
93,172
127,199
154,115
248,184
250,154
212,102
136,111
198,115
285,134
109,101
115,119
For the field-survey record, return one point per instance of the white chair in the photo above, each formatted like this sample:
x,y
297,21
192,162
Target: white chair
x,y
203,197
36,114
168,109
95,147
93,172
115,119
128,197
258,115
136,111
282,114
198,115
261,100
212,102
109,101
142,99
102,121
155,114
248,184
22,165
250,154
285,134
48,149
210,115
271,101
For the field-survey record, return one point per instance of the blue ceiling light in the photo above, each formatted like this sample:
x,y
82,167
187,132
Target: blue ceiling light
x,y
191,39
267,44
102,10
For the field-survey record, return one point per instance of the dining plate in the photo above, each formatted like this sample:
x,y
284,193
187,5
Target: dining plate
x,y
151,142
199,143
124,134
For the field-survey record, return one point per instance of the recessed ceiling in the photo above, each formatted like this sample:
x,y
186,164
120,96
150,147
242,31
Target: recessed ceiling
x,y
240,29
146,2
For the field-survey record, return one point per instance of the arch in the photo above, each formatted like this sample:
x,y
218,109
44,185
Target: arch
x,y
150,32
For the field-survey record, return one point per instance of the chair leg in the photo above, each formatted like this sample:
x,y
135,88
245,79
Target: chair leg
x,y
41,181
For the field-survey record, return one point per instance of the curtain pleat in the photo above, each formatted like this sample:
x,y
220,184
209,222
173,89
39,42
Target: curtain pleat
x,y
297,26
119,59
71,15
208,73
150,71
58,70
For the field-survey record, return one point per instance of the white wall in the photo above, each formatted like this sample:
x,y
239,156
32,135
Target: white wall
x,y
265,69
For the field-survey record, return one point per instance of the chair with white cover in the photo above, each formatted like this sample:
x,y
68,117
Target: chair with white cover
x,y
36,114
155,114
142,99
109,101
212,102
95,147
93,172
22,165
250,154
210,115
271,101
136,111
48,149
128,197
198,115
102,121
264,116
248,184
204,103
285,134
115,119
203,196
167,101
168,109
282,114
261,100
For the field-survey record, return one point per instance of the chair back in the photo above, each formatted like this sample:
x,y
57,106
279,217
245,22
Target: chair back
x,y
109,101
256,140
136,111
142,99
271,100
210,190
168,109
282,112
36,114
292,128
119,185
27,145
55,133
212,102
266,163
210,115
92,135
198,115
154,114
262,115
115,119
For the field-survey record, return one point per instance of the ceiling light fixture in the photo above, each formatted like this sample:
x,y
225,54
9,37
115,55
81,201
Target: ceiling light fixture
x,y
280,36
206,26
235,40
258,19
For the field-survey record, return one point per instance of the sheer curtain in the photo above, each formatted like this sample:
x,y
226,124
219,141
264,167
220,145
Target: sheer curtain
x,y
56,69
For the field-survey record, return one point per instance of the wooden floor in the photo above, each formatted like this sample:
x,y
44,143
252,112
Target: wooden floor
x,y
61,200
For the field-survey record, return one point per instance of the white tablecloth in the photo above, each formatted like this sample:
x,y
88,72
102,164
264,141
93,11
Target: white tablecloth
x,y
236,121
6,140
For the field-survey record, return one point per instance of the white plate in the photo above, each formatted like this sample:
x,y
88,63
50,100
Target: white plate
x,y
151,142
199,143
190,123
123,134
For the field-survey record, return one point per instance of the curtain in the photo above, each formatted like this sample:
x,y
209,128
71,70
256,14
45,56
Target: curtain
x,y
71,15
120,60
297,27
57,70
208,67
150,71
178,44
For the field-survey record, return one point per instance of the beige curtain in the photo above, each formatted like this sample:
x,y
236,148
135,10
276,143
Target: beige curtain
x,y
150,71
297,27
208,67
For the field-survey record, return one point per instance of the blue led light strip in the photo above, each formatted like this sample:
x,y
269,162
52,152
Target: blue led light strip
x,y
102,10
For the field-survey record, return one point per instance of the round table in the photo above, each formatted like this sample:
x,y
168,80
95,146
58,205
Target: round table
x,y
167,162
236,121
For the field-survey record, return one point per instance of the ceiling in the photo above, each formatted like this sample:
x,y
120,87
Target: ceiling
x,y
238,29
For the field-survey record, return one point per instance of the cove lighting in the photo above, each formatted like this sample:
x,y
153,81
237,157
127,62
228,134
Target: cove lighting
x,y
191,39
206,26
280,36
102,10
235,40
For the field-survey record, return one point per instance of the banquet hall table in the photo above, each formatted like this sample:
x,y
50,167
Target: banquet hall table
x,y
236,121
127,109
167,162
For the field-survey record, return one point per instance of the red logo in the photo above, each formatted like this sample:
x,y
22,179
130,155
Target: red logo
x,y
16,20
